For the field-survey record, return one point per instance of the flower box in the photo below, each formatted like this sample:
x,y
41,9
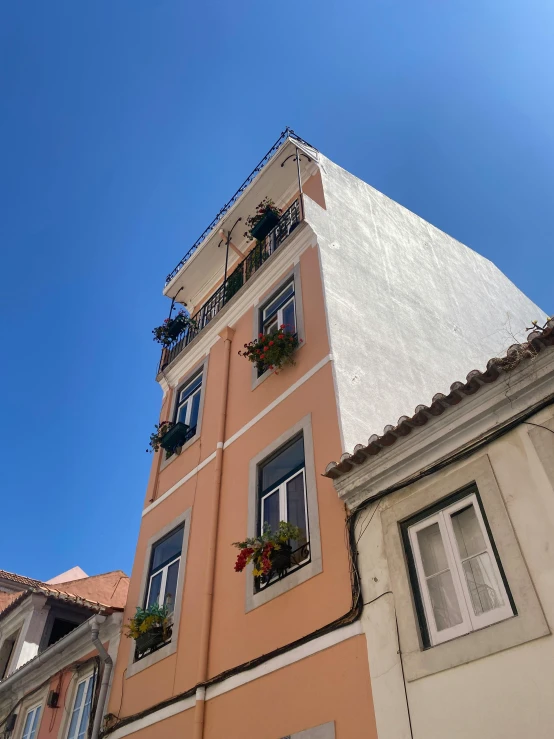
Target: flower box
x,y
281,559
150,639
266,224
174,437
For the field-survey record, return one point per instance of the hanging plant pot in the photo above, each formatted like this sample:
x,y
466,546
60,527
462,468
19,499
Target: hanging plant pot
x,y
174,437
266,224
176,327
281,558
151,639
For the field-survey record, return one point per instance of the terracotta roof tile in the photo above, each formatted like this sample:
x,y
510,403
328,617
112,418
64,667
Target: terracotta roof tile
x,y
537,341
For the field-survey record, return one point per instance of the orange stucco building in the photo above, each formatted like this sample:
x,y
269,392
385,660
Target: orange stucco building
x,y
283,655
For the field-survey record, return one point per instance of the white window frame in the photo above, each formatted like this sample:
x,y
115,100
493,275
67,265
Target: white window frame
x,y
470,621
188,400
278,315
164,570
33,732
86,680
283,507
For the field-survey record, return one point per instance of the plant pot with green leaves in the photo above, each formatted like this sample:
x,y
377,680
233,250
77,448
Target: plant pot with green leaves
x,y
150,628
172,328
271,552
169,436
263,221
272,351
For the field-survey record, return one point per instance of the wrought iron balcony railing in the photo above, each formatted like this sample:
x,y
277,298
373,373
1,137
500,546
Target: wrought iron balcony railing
x,y
238,277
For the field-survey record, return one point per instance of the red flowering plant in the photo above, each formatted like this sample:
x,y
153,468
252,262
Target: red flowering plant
x,y
262,550
262,209
172,328
272,351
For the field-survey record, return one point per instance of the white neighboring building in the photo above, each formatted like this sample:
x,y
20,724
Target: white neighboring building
x,y
453,514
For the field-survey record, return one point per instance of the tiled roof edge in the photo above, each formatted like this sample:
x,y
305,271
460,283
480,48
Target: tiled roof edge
x,y
537,341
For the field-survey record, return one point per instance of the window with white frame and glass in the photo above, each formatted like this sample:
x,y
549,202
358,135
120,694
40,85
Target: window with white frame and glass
x,y
32,720
282,497
188,404
164,570
456,576
279,311
80,713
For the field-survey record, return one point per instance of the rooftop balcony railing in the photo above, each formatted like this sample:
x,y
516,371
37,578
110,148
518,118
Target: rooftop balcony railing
x,y
235,280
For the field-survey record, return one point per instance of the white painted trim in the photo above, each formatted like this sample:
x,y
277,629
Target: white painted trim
x,y
278,400
284,660
241,431
178,484
154,718
272,665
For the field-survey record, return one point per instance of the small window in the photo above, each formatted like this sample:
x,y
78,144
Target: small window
x,y
188,404
61,627
458,583
6,654
282,497
32,720
164,570
81,709
279,311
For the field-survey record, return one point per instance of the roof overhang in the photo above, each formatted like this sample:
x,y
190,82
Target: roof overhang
x,y
277,179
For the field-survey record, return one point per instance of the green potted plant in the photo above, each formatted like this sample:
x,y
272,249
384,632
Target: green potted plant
x,y
172,328
169,436
263,221
150,627
272,351
270,552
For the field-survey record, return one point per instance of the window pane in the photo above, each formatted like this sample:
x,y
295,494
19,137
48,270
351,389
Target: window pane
x,y
271,326
482,585
288,317
432,551
76,708
285,462
171,585
270,511
469,535
86,711
35,723
28,723
275,304
195,400
296,509
190,388
167,550
154,594
182,413
446,609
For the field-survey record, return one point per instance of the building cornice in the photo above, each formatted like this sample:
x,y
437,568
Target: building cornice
x,y
494,406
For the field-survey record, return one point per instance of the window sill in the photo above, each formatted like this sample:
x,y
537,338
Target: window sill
x,y
151,659
279,587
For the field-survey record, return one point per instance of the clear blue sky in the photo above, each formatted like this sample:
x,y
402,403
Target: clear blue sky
x,y
126,125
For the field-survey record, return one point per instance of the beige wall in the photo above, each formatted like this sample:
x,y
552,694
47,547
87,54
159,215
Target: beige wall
x,y
507,692
325,687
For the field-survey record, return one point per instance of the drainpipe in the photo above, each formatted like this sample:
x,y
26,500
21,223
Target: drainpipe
x,y
106,674
207,608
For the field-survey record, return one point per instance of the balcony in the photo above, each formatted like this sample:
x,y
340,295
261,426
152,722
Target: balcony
x,y
235,281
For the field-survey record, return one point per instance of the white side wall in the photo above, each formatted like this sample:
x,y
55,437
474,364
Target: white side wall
x,y
410,309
